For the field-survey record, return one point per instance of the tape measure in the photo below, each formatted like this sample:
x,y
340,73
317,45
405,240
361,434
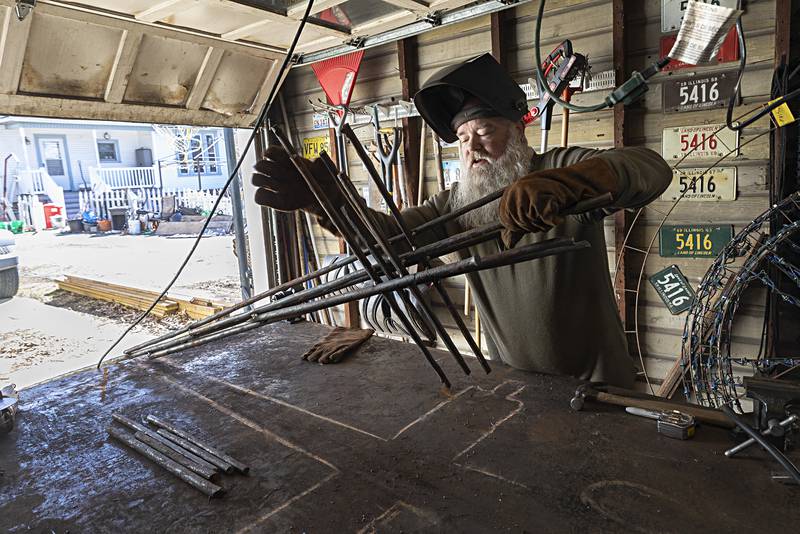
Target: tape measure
x,y
671,423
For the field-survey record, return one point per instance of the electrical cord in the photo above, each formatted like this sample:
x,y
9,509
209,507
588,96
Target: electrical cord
x,y
739,126
778,455
627,93
259,121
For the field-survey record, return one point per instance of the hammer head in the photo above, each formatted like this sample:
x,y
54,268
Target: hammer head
x,y
576,402
583,391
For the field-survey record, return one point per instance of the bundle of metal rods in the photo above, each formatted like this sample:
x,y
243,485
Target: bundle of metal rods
x,y
179,452
381,264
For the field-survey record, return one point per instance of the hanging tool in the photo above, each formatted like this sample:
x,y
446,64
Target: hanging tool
x,y
560,68
386,153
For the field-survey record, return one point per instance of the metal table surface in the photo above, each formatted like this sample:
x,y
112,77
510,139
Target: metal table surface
x,y
370,445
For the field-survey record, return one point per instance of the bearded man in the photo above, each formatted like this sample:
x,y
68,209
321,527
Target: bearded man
x,y
554,315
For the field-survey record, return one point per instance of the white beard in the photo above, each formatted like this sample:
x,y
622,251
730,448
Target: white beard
x,y
479,181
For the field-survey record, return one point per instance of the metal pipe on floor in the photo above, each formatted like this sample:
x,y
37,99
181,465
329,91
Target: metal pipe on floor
x,y
225,466
175,456
239,466
197,482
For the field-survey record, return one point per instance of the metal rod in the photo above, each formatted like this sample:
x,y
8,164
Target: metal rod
x,y
174,455
453,244
473,264
239,466
405,231
345,231
197,482
320,272
446,246
225,466
348,190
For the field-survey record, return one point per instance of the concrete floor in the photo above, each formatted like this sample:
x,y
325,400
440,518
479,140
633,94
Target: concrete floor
x,y
45,333
370,445
142,261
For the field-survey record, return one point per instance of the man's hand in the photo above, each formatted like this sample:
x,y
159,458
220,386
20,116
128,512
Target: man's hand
x,y
280,185
339,343
538,202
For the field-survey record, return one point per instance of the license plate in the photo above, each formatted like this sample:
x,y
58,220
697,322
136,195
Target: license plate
x,y
312,146
700,142
673,288
672,11
320,121
694,241
715,185
695,94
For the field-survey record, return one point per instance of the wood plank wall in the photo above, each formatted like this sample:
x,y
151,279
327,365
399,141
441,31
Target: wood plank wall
x,y
588,24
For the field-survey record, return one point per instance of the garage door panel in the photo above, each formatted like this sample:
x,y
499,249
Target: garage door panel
x,y
68,57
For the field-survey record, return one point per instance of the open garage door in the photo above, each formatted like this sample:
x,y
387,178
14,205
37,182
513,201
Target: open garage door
x,y
197,62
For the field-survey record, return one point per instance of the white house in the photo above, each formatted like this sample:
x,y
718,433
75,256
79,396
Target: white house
x,y
76,154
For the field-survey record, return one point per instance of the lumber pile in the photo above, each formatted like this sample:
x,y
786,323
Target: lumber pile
x,y
140,299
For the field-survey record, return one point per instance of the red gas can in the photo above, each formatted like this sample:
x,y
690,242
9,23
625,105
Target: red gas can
x,y
50,211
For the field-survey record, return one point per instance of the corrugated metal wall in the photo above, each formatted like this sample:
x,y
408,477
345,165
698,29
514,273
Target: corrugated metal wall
x,y
589,25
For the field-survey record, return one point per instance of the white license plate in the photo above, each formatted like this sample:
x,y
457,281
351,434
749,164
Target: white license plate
x,y
699,142
718,184
672,11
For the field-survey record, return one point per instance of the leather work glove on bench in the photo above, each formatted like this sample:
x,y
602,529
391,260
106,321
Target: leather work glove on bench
x,y
338,344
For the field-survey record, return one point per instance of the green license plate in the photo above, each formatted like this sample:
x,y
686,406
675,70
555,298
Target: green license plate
x,y
673,288
693,241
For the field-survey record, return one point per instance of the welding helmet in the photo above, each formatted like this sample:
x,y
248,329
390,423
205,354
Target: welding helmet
x,y
481,83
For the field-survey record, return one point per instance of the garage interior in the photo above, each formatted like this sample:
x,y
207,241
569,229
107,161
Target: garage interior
x,y
419,428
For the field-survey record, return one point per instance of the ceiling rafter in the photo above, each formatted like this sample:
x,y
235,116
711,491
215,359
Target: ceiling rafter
x,y
13,42
103,18
297,10
411,5
164,9
205,76
121,69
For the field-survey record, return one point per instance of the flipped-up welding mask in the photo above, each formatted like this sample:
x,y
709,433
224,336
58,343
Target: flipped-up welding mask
x,y
442,99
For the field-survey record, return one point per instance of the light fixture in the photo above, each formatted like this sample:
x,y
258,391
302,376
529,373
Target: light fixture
x,y
27,140
24,7
106,136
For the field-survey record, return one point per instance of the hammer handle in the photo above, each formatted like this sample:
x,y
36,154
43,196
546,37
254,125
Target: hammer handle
x,y
704,415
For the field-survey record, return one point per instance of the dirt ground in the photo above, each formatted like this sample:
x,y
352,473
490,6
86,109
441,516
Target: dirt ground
x,y
46,332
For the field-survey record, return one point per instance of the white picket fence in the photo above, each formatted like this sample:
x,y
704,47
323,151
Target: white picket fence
x,y
125,177
150,199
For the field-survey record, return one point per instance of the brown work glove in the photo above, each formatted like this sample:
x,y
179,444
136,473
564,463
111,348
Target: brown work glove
x,y
537,202
337,344
280,185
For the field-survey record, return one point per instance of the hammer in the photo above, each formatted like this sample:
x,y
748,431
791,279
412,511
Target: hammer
x,y
623,397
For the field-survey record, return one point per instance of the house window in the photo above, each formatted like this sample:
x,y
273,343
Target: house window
x,y
108,151
200,155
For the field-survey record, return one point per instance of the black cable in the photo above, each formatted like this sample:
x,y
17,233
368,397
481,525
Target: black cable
x,y
737,89
778,455
259,121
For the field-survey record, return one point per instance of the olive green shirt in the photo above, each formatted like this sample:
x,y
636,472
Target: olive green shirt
x,y
558,314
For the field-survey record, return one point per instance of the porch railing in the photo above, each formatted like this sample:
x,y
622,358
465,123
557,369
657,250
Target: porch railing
x,y
39,182
150,200
126,177
31,182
